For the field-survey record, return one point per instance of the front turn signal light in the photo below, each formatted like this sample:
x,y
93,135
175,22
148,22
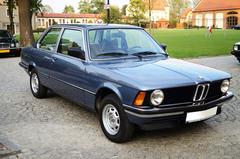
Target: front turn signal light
x,y
139,99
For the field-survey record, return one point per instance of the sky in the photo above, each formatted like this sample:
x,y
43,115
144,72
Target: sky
x,y
58,5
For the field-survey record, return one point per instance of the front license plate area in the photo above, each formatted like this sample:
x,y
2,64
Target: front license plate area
x,y
4,51
201,115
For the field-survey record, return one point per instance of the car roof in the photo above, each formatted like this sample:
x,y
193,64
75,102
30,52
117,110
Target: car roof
x,y
97,26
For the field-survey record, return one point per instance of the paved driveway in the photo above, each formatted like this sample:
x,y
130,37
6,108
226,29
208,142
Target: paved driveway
x,y
56,128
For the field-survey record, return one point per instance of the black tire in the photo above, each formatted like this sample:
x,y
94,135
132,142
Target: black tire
x,y
41,91
238,58
126,129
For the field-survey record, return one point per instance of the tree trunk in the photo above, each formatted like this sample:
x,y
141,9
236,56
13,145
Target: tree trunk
x,y
26,33
11,6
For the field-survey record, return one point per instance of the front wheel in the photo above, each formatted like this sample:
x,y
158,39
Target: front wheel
x,y
38,90
114,121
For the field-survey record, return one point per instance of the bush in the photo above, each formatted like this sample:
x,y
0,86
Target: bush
x,y
39,30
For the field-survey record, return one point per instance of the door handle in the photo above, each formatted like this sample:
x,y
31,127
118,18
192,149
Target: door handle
x,y
54,59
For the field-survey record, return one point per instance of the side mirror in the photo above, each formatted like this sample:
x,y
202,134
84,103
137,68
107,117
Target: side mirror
x,y
76,52
164,46
36,45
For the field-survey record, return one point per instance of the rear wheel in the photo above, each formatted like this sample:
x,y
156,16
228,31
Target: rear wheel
x,y
38,90
238,58
114,121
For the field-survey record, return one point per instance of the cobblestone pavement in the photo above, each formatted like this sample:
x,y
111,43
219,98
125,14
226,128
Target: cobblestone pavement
x,y
56,128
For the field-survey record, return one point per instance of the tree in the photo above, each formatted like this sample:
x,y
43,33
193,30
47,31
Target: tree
x,y
47,9
36,7
26,33
68,9
176,7
136,10
11,4
115,15
95,6
124,9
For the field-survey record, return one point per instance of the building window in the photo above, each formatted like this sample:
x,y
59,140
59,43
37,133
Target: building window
x,y
232,21
219,20
198,20
63,21
7,13
232,12
208,20
39,22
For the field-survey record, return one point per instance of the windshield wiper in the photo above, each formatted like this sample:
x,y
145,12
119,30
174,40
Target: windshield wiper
x,y
140,54
113,54
144,53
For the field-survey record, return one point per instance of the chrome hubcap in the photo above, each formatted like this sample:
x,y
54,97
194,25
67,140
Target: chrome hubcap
x,y
34,82
111,119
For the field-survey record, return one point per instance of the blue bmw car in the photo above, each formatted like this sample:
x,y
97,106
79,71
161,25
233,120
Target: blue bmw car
x,y
126,77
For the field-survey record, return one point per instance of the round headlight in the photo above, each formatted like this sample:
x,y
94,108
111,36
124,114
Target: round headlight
x,y
225,86
235,48
12,44
157,97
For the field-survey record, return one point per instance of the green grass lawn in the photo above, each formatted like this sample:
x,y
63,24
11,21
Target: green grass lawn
x,y
194,43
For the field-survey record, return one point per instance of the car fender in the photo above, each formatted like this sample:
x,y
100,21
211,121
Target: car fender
x,y
111,86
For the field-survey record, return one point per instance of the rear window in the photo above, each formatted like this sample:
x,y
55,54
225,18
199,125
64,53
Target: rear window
x,y
4,34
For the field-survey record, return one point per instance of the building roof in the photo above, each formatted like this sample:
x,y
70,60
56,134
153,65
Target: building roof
x,y
185,12
67,15
156,4
215,5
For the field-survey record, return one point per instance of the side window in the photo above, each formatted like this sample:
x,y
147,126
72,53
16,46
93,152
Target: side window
x,y
49,41
71,43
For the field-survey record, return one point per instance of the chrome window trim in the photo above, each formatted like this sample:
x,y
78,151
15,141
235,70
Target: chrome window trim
x,y
84,43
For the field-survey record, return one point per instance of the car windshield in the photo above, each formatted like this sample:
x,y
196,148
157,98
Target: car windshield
x,y
4,34
115,43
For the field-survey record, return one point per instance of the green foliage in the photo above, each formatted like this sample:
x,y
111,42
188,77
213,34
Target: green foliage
x,y
36,6
68,9
115,15
95,6
136,10
186,43
176,7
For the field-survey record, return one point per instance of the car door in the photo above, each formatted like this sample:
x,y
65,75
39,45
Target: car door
x,y
68,70
44,54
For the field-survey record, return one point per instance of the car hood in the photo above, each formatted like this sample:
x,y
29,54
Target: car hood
x,y
238,43
165,73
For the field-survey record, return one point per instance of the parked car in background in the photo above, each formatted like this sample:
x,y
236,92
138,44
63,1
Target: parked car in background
x,y
236,27
8,44
127,78
236,51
